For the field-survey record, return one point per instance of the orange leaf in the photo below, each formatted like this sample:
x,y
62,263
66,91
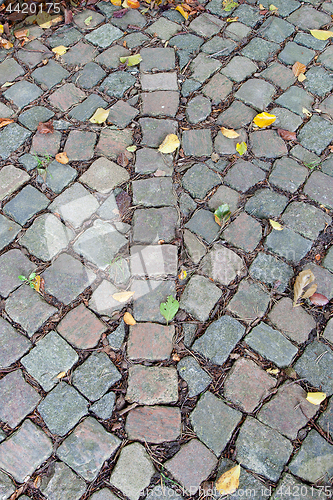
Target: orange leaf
x,y
5,43
287,135
62,158
22,33
45,128
298,68
5,121
128,318
133,4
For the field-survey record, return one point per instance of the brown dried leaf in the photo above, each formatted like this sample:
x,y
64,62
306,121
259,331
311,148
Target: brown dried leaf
x,y
287,135
298,68
229,481
302,281
124,201
22,33
5,121
128,319
319,300
68,16
45,128
310,291
62,158
122,160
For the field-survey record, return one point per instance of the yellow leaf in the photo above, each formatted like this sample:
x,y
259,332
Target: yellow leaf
x,y
273,371
60,51
302,281
7,84
316,397
116,2
301,77
5,44
298,68
100,115
170,144
1,28
182,275
182,11
275,225
36,283
61,375
229,132
62,158
241,148
306,112
44,20
232,19
131,60
264,119
88,21
5,121
261,7
128,318
122,296
272,8
321,34
229,481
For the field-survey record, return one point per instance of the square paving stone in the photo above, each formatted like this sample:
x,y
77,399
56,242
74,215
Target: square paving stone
x,y
24,451
276,29
219,339
316,134
75,205
256,93
326,58
326,418
26,307
109,209
236,116
66,278
148,296
158,59
117,83
163,28
33,53
159,103
103,175
66,35
110,57
244,232
319,187
279,75
134,40
250,302
46,237
12,344
156,192
11,138
287,174
203,67
133,462
214,422
217,46
237,31
247,482
328,260
152,385
222,264
197,142
81,53
154,424
62,408
318,81
196,378
103,408
269,455
13,264
31,118
239,68
217,88
132,17
267,144
247,15
294,322
315,365
45,145
186,205
225,146
87,447
288,244
28,161
22,93
200,179
50,75
61,478
81,328
154,131
285,7
191,465
95,376
121,114
159,81
206,25
203,224
199,297
66,96
224,195
305,219
309,41
247,385
154,260
307,18
86,109
5,111
113,142
153,224
95,19
9,70
7,487
102,301
293,52
271,344
50,356
271,271
295,99
288,411
288,482
150,341
327,105
305,156
243,175
89,76
189,86
8,231
259,49
58,176
27,203
18,398
314,459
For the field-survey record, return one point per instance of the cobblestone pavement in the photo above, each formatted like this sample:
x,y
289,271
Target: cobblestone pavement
x,y
91,408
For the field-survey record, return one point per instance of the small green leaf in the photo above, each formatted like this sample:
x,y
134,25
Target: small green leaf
x,y
88,21
229,5
131,60
223,211
131,149
32,276
241,147
32,285
22,278
169,308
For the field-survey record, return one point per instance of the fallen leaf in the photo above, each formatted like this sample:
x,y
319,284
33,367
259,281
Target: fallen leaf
x,y
5,43
45,128
133,4
36,282
122,160
128,319
116,2
182,275
222,213
119,13
286,134
318,257
273,371
61,375
60,51
302,281
263,120
175,357
229,132
275,225
169,308
316,397
5,121
229,5
122,296
321,34
62,158
272,8
301,77
22,33
44,19
306,112
68,16
319,299
131,60
261,7
131,149
180,9
7,84
232,19
1,29
170,144
298,68
241,148
229,481
87,21
99,116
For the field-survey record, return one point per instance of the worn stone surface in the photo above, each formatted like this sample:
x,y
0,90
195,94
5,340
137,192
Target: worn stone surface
x,y
12,344
315,365
61,477
150,341
305,219
222,264
152,385
200,179
153,224
243,175
296,323
154,424
288,244
81,328
203,224
271,271
250,302
154,192
196,378
199,297
244,232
